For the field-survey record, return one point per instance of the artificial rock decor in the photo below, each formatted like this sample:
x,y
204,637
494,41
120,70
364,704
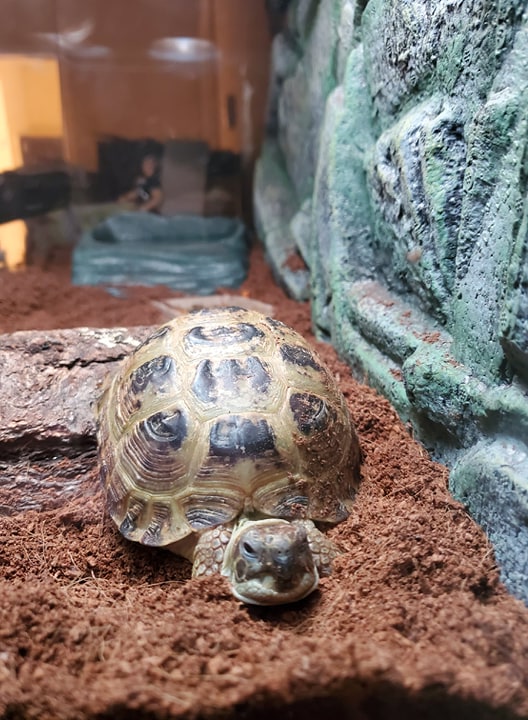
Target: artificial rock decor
x,y
396,167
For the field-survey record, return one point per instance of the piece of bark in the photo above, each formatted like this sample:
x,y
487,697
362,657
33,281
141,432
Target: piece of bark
x,y
173,307
49,382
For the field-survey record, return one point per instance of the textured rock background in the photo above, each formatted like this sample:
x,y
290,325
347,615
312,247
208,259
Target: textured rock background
x,y
396,166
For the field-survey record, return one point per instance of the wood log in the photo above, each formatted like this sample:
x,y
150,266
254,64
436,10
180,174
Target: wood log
x,y
173,307
49,382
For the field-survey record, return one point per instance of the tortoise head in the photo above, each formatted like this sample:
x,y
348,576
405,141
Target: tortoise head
x,y
269,562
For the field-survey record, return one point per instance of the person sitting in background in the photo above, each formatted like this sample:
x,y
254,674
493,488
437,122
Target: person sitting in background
x,y
146,195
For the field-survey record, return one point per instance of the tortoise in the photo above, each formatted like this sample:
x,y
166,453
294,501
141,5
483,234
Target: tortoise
x,y
224,437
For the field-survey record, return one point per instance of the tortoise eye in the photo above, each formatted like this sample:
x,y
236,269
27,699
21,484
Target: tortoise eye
x,y
248,549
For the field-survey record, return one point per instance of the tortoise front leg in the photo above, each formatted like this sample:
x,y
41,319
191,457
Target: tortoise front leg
x,y
324,551
210,550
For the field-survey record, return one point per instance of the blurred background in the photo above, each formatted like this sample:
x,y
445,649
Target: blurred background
x,y
90,88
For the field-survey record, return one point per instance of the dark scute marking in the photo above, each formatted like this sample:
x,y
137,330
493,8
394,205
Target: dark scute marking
x,y
277,324
212,379
168,426
292,506
136,404
152,372
160,332
128,526
159,522
130,521
260,377
237,437
204,383
201,516
152,535
223,334
310,412
298,355
233,309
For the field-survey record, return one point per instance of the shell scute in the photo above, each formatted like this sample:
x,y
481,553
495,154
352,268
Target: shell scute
x,y
161,332
235,438
299,355
204,511
210,336
236,381
166,427
311,413
157,372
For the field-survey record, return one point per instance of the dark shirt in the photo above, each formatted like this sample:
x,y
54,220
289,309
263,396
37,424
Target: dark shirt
x,y
145,186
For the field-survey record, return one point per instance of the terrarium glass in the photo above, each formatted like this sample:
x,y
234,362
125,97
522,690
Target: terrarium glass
x,y
117,109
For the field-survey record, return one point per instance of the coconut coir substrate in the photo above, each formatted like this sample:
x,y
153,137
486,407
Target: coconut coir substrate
x,y
413,622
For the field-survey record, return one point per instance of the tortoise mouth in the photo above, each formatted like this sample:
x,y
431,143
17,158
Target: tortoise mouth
x,y
269,562
265,590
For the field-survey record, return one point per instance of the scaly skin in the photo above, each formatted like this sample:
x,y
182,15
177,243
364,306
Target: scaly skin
x,y
267,562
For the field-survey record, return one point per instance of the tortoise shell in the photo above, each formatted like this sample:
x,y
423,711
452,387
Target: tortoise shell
x,y
221,413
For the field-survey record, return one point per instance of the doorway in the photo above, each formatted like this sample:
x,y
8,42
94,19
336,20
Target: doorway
x,y
31,138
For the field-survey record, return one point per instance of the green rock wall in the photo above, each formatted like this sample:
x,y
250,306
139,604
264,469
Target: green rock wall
x,y
396,166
